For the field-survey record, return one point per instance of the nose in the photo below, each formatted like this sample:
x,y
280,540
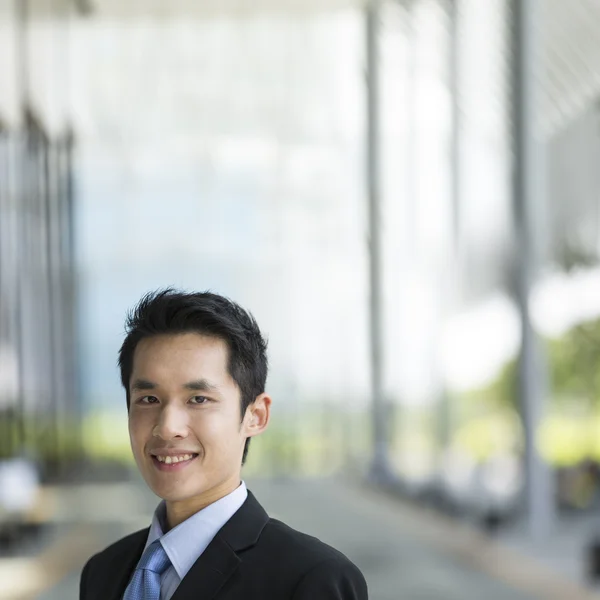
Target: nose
x,y
172,423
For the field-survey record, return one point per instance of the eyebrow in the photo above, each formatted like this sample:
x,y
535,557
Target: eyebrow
x,y
143,384
199,385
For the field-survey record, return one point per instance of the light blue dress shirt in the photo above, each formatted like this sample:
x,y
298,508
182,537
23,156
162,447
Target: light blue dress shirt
x,y
186,542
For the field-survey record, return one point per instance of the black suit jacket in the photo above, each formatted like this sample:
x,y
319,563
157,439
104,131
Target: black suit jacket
x,y
252,557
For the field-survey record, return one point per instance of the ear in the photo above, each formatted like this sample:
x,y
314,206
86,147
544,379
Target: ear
x,y
257,416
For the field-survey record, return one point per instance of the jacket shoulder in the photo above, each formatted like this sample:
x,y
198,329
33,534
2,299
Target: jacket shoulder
x,y
300,566
121,547
96,577
302,548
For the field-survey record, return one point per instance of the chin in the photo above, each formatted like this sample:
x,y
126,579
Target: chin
x,y
179,495
175,491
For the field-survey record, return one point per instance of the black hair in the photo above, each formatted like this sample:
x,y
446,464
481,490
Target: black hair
x,y
170,311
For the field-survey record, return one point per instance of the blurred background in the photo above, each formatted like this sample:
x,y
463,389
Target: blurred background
x,y
405,193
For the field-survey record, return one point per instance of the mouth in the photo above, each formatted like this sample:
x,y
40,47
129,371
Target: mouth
x,y
170,464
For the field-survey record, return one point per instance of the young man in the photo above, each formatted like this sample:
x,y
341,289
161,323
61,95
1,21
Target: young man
x,y
194,368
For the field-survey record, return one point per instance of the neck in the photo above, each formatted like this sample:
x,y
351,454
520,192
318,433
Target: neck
x,y
179,511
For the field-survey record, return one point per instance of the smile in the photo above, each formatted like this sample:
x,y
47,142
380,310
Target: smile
x,y
174,459
173,463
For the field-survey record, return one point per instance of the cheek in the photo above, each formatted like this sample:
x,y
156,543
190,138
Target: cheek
x,y
139,425
217,429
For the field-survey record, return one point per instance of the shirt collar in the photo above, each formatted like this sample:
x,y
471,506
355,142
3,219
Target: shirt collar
x,y
186,542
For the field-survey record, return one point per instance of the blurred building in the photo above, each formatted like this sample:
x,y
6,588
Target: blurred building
x,y
39,409
221,145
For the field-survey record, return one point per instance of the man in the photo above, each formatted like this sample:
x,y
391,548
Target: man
x,y
194,368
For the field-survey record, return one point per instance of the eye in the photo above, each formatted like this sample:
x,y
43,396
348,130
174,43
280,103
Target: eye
x,y
148,400
199,400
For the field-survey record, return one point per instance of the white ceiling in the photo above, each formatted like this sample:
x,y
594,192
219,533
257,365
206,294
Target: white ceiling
x,y
571,49
570,37
201,9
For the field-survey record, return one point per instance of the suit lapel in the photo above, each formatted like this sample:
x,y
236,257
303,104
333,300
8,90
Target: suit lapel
x,y
122,566
220,559
212,569
246,525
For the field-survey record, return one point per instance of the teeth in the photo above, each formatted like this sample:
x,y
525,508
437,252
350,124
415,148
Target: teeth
x,y
173,459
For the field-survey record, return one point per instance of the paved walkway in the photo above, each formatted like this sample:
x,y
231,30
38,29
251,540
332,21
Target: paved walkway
x,y
405,552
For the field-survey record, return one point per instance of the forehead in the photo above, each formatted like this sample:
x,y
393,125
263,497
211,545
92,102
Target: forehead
x,y
185,355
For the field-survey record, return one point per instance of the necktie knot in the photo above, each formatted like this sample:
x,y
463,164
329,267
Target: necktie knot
x,y
145,583
154,559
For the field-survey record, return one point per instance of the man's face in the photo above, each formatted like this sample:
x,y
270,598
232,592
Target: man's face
x,y
184,405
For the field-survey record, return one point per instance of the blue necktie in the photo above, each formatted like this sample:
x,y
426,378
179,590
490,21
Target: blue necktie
x,y
145,583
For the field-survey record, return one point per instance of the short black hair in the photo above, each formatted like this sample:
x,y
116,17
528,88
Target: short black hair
x,y
170,311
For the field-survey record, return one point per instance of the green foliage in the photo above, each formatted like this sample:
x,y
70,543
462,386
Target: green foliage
x,y
496,434
575,364
574,371
570,431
